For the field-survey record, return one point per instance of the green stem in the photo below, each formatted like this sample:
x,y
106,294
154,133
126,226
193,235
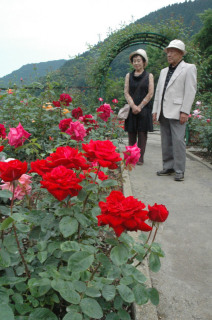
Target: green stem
x,y
15,233
149,249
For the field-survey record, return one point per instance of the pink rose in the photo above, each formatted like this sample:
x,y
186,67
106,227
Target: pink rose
x,y
208,120
132,155
23,187
115,101
17,136
100,99
76,130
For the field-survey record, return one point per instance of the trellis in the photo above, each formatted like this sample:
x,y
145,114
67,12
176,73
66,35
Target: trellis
x,y
154,39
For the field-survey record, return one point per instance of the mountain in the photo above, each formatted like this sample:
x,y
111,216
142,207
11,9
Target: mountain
x,y
186,11
30,72
72,72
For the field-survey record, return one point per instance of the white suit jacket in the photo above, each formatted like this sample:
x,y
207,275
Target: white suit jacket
x,y
180,91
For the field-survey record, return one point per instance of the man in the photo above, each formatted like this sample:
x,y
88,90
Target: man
x,y
174,97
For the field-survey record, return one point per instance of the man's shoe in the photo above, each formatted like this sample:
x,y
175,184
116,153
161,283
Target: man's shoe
x,y
179,176
165,172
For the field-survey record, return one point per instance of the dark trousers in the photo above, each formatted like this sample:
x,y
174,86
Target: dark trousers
x,y
142,139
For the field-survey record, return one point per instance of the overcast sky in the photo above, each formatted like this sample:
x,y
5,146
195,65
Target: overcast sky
x,y
34,31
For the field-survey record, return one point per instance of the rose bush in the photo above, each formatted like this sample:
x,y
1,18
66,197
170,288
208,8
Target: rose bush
x,y
56,262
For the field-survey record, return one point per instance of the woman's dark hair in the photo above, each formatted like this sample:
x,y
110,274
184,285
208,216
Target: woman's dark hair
x,y
137,55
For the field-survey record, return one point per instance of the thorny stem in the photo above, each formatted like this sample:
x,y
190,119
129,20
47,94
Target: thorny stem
x,y
21,254
95,270
15,233
135,255
149,247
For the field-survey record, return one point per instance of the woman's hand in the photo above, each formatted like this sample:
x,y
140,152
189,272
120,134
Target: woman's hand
x,y
135,109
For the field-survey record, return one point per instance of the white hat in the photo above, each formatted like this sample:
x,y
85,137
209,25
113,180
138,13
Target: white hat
x,y
141,53
178,44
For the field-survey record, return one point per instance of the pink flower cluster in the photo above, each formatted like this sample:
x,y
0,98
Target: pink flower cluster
x,y
17,136
76,130
23,187
131,155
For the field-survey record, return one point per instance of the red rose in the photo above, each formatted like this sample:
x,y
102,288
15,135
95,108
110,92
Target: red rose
x,y
2,131
122,213
103,152
41,167
77,112
1,148
65,99
12,170
56,104
67,157
64,124
89,121
158,213
61,182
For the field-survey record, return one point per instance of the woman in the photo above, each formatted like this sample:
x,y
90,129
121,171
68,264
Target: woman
x,y
138,91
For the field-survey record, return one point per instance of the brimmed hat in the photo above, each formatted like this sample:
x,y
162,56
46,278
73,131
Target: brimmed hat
x,y
178,44
141,53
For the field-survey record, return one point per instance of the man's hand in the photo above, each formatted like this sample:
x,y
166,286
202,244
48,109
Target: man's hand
x,y
183,117
154,117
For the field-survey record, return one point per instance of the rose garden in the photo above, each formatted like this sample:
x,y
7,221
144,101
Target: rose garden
x,y
65,251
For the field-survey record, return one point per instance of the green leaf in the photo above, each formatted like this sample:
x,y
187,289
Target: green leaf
x,y
108,292
22,227
79,286
41,245
141,294
96,211
6,194
6,312
91,187
17,298
80,261
124,315
112,316
23,308
4,258
42,256
118,302
153,295
6,223
4,296
70,295
119,255
10,244
42,314
82,195
92,292
108,183
70,246
154,262
126,293
68,226
91,308
72,316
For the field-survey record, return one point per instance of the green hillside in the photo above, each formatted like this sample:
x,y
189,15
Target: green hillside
x,y
72,72
30,72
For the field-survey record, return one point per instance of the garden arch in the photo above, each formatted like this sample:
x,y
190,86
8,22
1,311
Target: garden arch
x,y
154,39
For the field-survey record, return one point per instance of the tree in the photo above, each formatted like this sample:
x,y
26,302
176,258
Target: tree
x,y
204,37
